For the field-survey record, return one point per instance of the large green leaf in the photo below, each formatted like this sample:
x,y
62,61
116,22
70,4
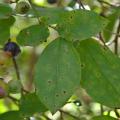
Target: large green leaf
x,y
80,24
100,72
33,35
103,118
57,73
30,104
11,115
5,11
5,25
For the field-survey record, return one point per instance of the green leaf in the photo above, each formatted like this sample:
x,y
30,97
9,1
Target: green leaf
x,y
110,26
5,25
52,15
11,115
5,11
30,104
33,35
76,24
103,118
100,72
80,24
57,74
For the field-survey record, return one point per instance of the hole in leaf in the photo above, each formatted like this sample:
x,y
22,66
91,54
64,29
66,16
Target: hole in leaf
x,y
98,74
49,81
82,65
104,49
64,92
71,17
57,95
104,24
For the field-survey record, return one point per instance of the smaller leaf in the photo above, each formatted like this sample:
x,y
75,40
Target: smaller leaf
x,y
30,104
53,15
103,118
80,24
5,25
11,115
5,11
33,35
110,26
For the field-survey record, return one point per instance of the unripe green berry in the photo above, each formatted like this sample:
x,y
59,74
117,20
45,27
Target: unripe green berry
x,y
22,7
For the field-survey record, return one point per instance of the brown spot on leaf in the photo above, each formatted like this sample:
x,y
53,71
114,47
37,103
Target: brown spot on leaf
x,y
64,92
82,65
49,81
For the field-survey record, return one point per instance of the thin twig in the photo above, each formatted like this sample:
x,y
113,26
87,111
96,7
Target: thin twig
x,y
108,112
116,112
101,38
112,32
16,68
117,35
107,3
116,38
18,75
61,116
80,4
101,108
35,11
37,15
16,101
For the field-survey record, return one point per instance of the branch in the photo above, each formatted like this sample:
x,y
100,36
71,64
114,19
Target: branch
x,y
112,32
16,68
80,4
16,101
101,108
18,75
107,3
35,11
61,116
101,38
117,113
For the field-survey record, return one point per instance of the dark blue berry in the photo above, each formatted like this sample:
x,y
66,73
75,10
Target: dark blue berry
x,y
12,48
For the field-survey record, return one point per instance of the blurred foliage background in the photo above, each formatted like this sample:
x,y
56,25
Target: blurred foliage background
x,y
80,106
